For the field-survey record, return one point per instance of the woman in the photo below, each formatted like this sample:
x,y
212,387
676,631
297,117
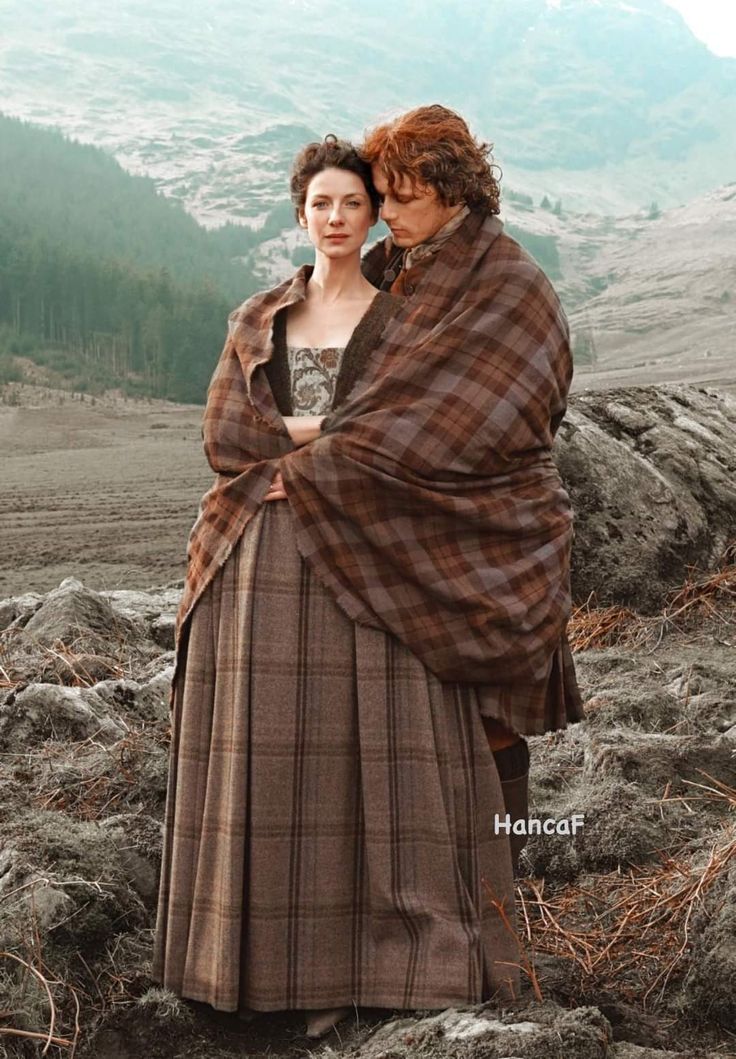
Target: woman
x,y
328,823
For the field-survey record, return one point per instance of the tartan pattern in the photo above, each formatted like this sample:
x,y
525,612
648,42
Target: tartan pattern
x,y
328,827
430,506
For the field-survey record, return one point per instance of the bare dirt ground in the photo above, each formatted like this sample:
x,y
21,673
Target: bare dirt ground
x,y
104,491
718,371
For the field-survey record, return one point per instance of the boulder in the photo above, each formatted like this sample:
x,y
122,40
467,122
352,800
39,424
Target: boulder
x,y
138,839
67,877
16,610
79,618
148,701
146,606
163,631
537,1031
650,472
40,712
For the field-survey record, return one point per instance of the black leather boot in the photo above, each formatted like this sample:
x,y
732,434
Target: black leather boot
x,y
513,769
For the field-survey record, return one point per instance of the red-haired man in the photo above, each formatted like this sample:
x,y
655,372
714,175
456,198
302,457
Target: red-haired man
x,y
440,198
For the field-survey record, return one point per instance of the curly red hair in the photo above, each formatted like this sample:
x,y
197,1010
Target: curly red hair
x,y
434,147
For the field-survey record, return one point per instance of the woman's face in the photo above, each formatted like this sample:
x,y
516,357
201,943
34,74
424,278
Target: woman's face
x,y
337,213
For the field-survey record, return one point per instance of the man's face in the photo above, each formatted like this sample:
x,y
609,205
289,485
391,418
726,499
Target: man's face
x,y
412,212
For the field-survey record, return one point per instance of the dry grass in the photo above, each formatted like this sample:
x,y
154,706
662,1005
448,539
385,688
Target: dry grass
x,y
81,660
525,963
49,1038
44,1009
26,1006
702,598
23,658
90,781
39,1006
56,1001
628,933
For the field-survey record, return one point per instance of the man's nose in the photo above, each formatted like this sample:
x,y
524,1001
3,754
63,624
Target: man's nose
x,y
387,210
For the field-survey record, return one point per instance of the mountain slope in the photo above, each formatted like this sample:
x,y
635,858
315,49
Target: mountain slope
x,y
213,105
77,196
102,280
666,307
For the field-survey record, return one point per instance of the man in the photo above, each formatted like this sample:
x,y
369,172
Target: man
x,y
434,180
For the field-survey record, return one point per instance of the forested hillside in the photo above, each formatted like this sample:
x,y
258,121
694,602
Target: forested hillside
x,y
103,279
110,284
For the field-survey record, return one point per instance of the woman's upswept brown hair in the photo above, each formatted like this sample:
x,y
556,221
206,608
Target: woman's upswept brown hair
x,y
434,147
330,153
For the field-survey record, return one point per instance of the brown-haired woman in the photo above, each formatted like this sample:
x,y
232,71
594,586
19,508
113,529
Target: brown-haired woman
x,y
328,840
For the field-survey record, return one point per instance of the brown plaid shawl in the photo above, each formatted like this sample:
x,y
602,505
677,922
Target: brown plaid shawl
x,y
430,505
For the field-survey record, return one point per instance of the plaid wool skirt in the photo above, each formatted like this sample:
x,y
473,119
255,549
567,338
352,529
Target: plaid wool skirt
x,y
329,819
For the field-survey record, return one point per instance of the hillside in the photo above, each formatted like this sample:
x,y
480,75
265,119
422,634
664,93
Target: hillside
x,y
666,306
103,281
651,296
213,105
78,196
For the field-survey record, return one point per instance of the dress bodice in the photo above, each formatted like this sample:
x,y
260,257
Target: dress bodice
x,y
313,371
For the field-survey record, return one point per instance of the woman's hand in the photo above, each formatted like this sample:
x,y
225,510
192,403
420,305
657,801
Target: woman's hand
x,y
276,489
303,429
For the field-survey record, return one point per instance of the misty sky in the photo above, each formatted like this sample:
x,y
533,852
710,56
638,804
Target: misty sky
x,y
713,21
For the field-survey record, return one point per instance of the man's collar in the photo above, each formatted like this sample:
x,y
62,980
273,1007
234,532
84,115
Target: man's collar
x,y
430,246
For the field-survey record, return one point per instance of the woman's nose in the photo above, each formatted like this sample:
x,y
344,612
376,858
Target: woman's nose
x,y
336,216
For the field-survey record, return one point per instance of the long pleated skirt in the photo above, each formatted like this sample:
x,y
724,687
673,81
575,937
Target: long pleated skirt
x,y
329,828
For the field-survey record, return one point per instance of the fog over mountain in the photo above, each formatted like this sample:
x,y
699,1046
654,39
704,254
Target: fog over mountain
x,y
605,104
597,108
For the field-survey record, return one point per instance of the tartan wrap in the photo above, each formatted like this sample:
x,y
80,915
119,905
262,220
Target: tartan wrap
x,y
430,505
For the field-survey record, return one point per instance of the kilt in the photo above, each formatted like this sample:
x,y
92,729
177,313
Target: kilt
x,y
328,834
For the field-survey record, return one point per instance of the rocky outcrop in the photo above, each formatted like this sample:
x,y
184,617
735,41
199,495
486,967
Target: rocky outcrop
x,y
651,474
75,614
542,1031
41,712
18,609
71,880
